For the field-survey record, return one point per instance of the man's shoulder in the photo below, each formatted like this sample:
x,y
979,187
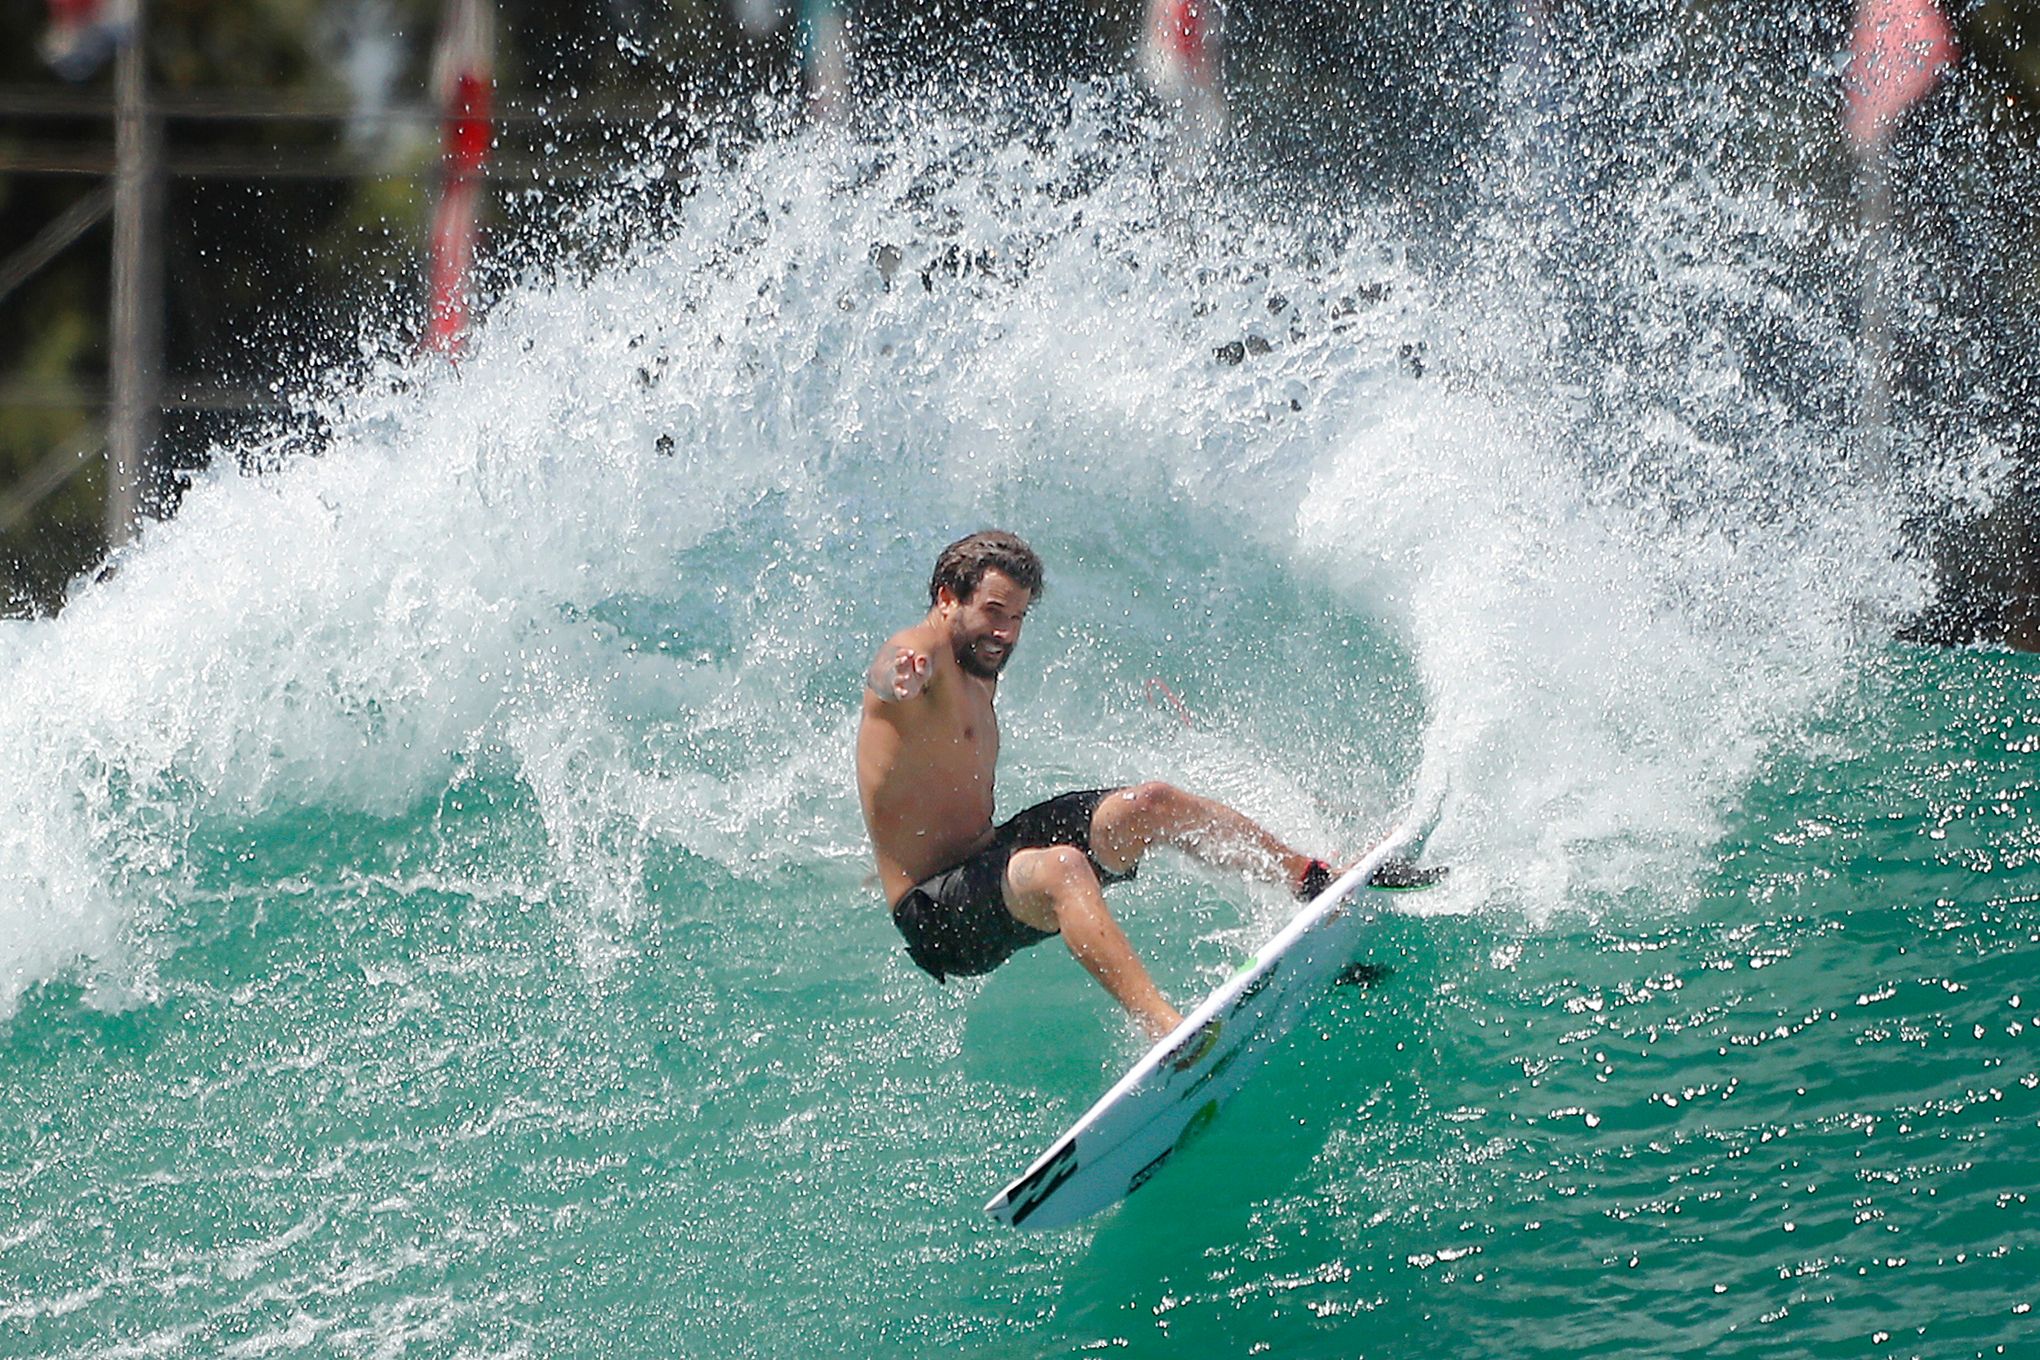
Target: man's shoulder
x,y
921,635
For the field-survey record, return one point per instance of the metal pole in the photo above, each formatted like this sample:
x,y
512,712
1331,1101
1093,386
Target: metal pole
x,y
1873,416
137,313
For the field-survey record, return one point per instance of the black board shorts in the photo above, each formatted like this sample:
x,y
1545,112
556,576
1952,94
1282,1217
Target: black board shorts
x,y
956,924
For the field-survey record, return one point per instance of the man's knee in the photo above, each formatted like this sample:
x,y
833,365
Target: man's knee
x,y
1156,797
1141,807
1050,871
1041,883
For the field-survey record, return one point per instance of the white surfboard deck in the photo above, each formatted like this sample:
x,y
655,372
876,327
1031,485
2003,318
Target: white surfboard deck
x,y
1175,1090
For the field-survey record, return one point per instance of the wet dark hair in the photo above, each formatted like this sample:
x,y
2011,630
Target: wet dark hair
x,y
964,563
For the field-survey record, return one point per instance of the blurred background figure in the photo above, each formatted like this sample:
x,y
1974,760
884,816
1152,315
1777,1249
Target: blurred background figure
x,y
83,35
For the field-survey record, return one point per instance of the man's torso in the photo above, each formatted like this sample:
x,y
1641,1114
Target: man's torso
x,y
925,768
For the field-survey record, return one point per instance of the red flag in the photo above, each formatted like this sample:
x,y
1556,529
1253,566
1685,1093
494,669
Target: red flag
x,y
1900,49
462,73
1180,54
1178,49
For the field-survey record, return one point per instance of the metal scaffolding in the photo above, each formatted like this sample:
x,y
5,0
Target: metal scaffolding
x,y
136,315
142,160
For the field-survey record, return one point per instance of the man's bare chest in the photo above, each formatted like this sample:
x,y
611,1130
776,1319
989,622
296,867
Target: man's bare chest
x,y
967,733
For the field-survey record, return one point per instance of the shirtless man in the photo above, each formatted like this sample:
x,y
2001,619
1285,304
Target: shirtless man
x,y
966,894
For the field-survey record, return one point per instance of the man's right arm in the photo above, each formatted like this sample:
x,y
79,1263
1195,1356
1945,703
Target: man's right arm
x,y
899,672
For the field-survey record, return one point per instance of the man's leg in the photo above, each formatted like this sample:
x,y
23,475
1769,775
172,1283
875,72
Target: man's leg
x,y
1054,888
1132,820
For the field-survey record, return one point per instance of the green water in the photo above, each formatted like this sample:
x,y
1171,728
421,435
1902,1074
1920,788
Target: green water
x,y
374,1111
435,920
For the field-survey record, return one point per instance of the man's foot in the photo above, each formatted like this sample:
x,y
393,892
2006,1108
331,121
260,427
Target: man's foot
x,y
1397,875
1317,876
1159,1025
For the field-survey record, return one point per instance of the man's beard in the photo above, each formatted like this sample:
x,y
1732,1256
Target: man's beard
x,y
974,664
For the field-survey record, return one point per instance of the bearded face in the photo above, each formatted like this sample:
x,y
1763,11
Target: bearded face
x,y
984,629
979,655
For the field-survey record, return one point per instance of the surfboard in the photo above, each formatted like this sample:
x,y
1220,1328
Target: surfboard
x,y
1174,1092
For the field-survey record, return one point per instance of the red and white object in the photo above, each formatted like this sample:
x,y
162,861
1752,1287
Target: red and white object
x,y
1179,49
1898,53
463,75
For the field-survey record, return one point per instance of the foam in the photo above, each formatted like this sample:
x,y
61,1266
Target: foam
x,y
634,550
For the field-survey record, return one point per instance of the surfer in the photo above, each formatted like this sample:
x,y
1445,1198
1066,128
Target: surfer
x,y
967,894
